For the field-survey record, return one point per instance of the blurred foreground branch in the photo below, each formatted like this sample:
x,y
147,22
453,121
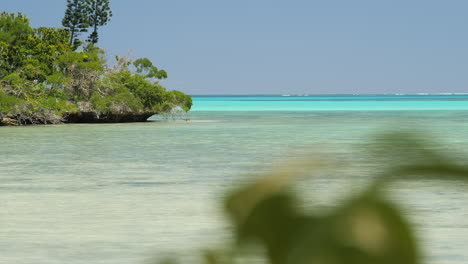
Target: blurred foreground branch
x,y
366,229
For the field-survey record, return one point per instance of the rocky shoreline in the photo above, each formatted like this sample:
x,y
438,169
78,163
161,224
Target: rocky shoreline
x,y
79,117
93,117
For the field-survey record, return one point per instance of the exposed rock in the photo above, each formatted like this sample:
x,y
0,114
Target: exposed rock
x,y
37,118
5,121
78,117
94,117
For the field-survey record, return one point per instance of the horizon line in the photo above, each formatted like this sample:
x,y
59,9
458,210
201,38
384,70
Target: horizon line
x,y
337,94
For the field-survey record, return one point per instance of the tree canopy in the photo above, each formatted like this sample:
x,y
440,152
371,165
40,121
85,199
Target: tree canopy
x,y
76,19
99,15
44,79
81,15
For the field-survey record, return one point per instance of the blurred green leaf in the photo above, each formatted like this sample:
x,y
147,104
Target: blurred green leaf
x,y
367,229
408,155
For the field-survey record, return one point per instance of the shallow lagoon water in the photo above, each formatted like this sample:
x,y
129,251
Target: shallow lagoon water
x,y
125,193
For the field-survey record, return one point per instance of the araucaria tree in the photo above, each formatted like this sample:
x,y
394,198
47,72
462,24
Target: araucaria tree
x,y
76,19
99,15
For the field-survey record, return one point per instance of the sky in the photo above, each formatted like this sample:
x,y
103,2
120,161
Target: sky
x,y
286,47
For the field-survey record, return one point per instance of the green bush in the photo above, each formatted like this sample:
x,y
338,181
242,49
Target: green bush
x,y
58,105
121,101
7,103
44,72
179,99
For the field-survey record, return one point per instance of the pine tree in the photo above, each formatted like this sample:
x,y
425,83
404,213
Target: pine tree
x,y
99,15
76,19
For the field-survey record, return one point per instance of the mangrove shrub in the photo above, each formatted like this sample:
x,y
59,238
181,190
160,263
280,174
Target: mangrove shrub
x,y
44,79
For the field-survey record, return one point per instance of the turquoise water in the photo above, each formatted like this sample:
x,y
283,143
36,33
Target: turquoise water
x,y
333,103
125,193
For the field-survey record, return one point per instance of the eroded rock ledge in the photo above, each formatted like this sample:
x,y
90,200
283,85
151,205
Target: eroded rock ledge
x,y
80,117
5,121
93,117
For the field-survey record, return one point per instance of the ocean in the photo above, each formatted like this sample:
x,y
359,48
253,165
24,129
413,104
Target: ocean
x,y
129,193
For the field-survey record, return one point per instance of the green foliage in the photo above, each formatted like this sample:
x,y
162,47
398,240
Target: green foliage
x,y
58,105
14,28
76,19
91,58
99,15
120,101
30,53
13,79
14,84
81,72
4,59
141,82
48,77
51,44
14,32
179,99
82,14
7,103
145,67
55,84
367,229
150,94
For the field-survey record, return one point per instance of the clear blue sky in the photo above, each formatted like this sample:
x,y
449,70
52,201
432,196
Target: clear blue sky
x,y
294,46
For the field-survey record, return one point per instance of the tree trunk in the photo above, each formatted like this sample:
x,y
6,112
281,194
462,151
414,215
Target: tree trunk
x,y
72,33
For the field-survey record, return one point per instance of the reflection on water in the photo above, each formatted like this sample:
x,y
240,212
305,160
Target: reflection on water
x,y
123,193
